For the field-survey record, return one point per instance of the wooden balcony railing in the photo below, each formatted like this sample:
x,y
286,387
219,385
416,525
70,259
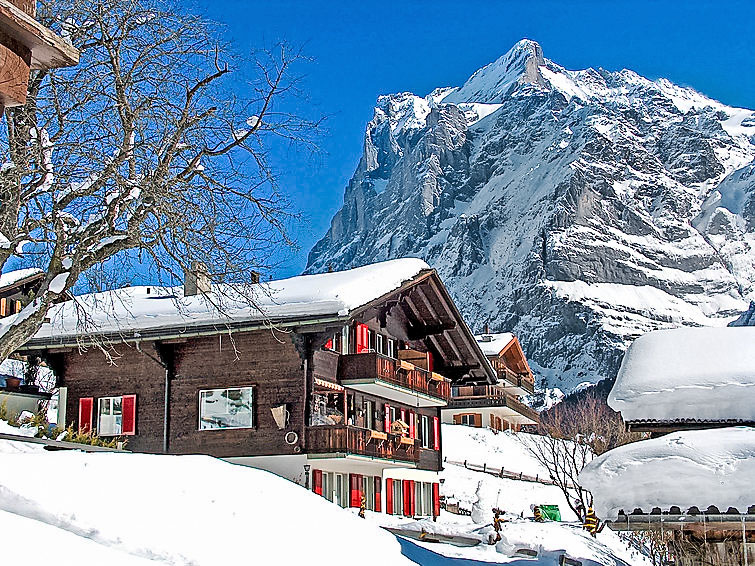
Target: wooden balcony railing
x,y
521,380
361,441
384,368
467,397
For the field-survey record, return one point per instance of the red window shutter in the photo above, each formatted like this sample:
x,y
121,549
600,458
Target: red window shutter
x,y
363,338
329,344
317,481
436,433
430,365
355,483
411,425
389,496
407,492
412,491
387,419
436,500
378,487
128,424
86,407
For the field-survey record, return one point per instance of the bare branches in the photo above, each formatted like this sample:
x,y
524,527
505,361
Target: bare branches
x,y
144,147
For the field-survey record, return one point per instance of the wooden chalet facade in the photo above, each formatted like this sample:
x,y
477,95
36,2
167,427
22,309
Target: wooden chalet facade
x,y
497,406
346,401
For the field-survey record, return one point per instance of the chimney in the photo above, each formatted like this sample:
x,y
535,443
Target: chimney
x,y
487,328
196,280
255,277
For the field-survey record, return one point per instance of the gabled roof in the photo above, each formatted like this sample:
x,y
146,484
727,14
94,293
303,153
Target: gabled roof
x,y
148,312
493,344
686,374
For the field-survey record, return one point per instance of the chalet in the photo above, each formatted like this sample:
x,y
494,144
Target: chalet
x,y
693,391
335,380
16,395
497,405
25,44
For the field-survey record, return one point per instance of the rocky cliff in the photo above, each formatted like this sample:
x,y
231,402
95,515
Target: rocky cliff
x,y
577,209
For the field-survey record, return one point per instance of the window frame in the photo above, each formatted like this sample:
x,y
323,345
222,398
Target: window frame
x,y
424,431
252,388
110,398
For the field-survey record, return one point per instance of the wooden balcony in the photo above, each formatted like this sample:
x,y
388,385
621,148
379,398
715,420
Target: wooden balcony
x,y
393,379
520,383
492,396
345,441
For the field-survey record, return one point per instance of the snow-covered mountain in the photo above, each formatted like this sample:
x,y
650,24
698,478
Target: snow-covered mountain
x,y
577,209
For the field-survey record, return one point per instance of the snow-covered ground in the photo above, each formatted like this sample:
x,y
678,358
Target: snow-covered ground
x,y
72,508
480,492
139,509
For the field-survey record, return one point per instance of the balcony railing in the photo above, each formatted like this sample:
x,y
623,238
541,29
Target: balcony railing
x,y
522,380
477,396
362,442
395,372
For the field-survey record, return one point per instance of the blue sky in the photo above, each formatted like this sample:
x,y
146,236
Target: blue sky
x,y
363,49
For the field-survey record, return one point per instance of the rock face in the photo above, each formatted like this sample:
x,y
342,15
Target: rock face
x,y
577,209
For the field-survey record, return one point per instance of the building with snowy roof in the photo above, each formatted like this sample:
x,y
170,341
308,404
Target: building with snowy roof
x,y
694,479
333,380
499,405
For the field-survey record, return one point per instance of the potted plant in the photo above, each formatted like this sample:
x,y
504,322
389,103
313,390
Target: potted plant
x,y
12,382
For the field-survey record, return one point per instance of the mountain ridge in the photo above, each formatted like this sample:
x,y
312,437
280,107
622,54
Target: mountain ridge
x,y
575,208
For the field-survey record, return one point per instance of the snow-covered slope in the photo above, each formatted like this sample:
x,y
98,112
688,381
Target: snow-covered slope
x,y
71,508
578,209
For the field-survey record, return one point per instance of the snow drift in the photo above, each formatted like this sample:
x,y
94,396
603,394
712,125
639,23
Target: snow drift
x,y
688,373
685,469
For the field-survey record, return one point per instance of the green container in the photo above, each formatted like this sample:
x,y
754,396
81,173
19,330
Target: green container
x,y
550,512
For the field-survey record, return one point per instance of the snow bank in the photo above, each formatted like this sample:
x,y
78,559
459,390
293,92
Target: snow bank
x,y
139,508
688,373
693,468
146,308
492,344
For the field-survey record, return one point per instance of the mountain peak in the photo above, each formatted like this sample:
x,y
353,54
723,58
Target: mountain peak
x,y
520,65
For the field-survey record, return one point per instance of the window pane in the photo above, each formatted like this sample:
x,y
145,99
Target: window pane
x,y
110,416
226,408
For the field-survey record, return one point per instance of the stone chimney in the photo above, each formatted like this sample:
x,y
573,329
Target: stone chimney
x,y
196,280
255,277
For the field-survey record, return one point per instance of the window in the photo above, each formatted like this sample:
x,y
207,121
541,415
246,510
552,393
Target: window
x,y
398,497
371,341
393,417
380,344
368,490
340,493
424,431
110,416
345,340
391,348
226,408
467,420
369,414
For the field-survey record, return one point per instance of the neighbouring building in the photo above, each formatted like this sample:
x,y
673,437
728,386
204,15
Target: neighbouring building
x,y
498,405
693,390
16,395
335,381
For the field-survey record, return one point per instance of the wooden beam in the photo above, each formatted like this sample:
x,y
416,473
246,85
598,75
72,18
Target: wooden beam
x,y
426,331
48,50
15,63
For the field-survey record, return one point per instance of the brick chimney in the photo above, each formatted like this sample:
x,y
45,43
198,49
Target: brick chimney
x,y
196,280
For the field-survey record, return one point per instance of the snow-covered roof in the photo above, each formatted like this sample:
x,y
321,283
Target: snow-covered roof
x,y
12,277
131,310
703,374
492,344
686,469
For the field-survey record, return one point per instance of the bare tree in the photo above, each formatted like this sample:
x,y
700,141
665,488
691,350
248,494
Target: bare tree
x,y
570,435
143,152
